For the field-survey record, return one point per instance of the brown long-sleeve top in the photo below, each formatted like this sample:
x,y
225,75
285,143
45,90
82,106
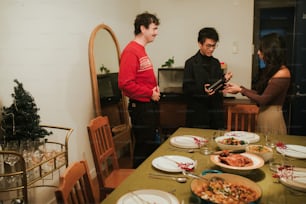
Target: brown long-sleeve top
x,y
274,94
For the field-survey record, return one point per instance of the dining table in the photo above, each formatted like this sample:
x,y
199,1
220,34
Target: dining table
x,y
273,191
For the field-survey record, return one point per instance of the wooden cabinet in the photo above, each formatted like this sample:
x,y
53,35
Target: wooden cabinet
x,y
172,111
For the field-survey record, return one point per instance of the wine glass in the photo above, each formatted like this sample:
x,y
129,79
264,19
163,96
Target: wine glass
x,y
270,138
11,159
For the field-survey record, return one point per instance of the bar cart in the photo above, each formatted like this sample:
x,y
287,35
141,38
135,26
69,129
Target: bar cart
x,y
21,170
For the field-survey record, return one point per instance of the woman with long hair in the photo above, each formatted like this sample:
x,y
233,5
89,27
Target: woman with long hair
x,y
271,88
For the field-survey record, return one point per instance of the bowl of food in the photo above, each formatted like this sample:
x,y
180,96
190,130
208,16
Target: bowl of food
x,y
263,151
242,164
226,188
231,143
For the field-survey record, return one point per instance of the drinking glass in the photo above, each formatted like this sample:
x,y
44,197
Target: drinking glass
x,y
270,138
276,161
209,145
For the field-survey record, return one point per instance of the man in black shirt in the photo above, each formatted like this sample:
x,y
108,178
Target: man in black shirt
x,y
204,106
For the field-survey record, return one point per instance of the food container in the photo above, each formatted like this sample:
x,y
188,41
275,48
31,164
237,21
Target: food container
x,y
263,151
231,143
240,182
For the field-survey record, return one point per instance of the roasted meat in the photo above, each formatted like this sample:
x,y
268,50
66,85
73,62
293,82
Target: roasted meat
x,y
235,160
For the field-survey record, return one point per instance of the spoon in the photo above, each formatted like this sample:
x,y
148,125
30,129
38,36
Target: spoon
x,y
177,179
193,175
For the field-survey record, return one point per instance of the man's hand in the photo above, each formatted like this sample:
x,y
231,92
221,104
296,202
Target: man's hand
x,y
208,91
156,94
228,76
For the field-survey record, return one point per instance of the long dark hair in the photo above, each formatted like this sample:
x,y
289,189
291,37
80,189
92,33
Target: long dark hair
x,y
273,48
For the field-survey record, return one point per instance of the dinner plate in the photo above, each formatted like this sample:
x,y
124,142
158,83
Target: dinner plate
x,y
170,163
243,135
258,162
296,151
187,141
149,195
295,180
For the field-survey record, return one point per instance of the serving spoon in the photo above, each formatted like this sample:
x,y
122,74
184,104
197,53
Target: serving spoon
x,y
214,178
177,179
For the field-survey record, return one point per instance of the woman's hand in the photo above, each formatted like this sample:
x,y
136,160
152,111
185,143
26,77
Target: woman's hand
x,y
232,88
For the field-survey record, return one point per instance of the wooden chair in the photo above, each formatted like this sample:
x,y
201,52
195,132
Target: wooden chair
x,y
75,185
242,117
105,157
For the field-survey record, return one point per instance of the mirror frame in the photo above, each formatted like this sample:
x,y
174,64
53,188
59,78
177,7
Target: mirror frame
x,y
92,66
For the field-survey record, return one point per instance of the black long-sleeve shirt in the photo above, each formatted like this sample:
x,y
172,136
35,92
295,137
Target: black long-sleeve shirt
x,y
203,110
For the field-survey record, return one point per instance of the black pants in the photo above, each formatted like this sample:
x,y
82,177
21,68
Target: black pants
x,y
144,118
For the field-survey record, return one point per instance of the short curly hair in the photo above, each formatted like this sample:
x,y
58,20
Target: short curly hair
x,y
144,19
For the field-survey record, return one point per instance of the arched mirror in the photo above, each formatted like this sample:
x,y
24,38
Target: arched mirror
x,y
104,55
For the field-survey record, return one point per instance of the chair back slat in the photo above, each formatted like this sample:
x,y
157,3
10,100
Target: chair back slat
x,y
242,117
103,149
75,185
102,146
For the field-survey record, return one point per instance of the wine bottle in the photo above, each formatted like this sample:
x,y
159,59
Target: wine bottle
x,y
218,84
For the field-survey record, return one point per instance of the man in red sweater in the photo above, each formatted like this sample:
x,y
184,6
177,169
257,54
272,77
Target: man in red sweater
x,y
138,82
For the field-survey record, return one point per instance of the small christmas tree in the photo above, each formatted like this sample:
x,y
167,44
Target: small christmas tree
x,y
20,121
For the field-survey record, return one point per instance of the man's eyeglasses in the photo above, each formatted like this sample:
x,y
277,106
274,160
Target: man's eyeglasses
x,y
211,46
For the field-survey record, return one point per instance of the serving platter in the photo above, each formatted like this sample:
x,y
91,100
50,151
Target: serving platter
x,y
197,185
258,162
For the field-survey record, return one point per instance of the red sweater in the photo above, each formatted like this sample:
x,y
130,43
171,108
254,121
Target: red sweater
x,y
136,75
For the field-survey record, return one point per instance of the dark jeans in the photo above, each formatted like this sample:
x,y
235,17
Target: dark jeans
x,y
144,118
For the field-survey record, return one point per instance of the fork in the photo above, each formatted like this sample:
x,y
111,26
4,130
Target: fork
x,y
137,197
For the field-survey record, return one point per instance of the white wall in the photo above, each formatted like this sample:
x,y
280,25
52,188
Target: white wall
x,y
182,19
44,44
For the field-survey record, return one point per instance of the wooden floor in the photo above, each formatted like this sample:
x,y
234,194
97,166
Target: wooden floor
x,y
124,162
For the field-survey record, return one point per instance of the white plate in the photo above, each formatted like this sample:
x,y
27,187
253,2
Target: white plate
x,y
296,151
186,141
150,195
242,135
258,162
297,181
168,163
